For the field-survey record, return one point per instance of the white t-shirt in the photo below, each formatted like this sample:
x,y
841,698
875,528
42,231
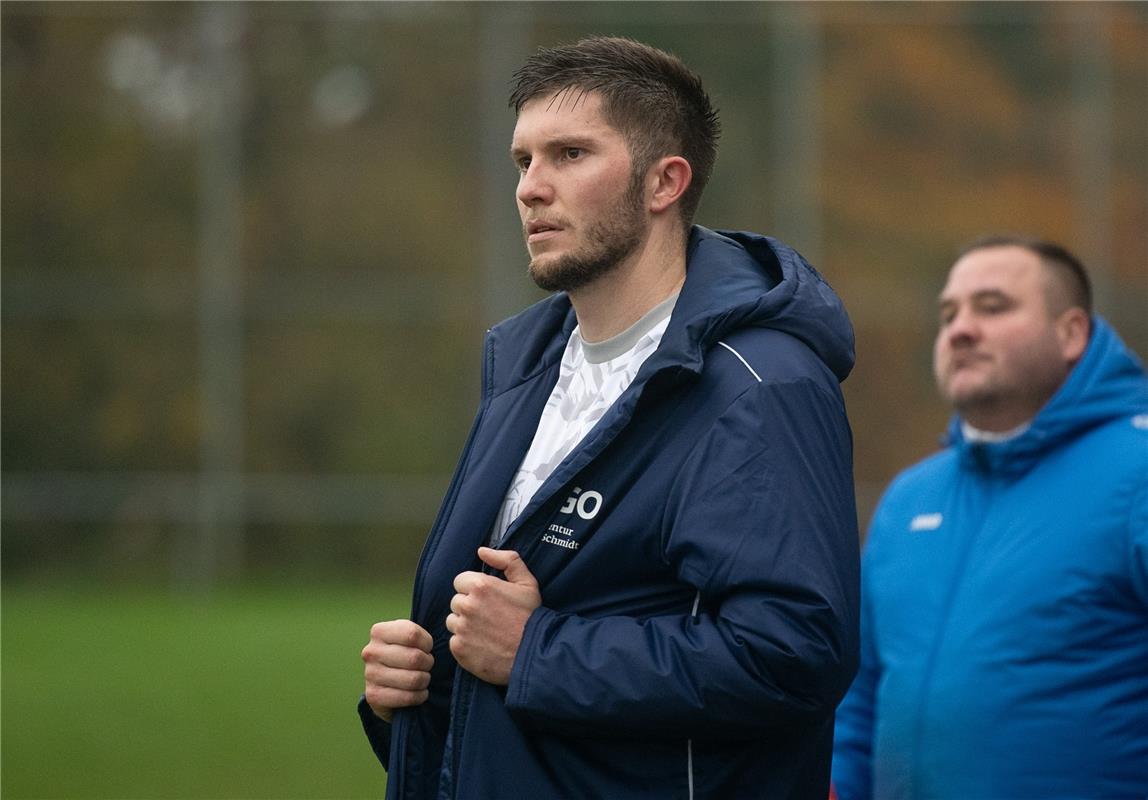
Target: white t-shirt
x,y
591,377
972,434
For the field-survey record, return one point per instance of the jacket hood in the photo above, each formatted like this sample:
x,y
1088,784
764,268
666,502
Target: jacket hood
x,y
733,280
1107,383
736,279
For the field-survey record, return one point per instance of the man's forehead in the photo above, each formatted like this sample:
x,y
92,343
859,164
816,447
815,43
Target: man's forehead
x,y
559,115
570,102
1007,269
571,98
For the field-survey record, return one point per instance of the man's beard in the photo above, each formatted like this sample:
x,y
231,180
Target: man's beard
x,y
610,241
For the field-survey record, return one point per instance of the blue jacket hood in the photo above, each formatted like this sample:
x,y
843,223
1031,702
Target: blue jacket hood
x,y
1107,383
734,280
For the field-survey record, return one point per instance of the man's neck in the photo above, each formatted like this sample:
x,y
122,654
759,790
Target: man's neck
x,y
618,299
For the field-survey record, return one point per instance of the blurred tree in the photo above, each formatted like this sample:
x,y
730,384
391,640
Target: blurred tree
x,y
365,234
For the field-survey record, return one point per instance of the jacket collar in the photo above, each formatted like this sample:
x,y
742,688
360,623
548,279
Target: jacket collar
x,y
733,280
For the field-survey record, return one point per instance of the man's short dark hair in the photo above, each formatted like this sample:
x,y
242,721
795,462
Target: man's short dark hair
x,y
650,96
1067,269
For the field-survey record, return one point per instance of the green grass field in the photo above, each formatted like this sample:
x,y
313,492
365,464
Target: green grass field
x,y
115,693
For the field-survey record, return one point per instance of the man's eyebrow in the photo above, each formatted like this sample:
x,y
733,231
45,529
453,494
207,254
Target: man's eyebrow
x,y
579,140
980,294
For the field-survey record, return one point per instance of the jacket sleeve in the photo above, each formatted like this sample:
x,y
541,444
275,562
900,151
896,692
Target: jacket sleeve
x,y
761,522
378,732
852,773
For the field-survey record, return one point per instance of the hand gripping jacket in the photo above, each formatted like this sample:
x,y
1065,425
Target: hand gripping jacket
x,y
1005,609
696,553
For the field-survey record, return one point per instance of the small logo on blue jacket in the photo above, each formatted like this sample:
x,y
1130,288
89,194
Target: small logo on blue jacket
x,y
587,504
926,522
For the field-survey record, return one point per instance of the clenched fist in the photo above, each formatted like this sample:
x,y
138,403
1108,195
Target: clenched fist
x,y
489,614
398,661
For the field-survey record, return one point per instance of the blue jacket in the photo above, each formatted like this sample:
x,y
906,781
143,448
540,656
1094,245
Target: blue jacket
x,y
697,639
1005,609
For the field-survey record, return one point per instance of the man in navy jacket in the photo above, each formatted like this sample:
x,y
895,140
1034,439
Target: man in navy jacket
x,y
643,580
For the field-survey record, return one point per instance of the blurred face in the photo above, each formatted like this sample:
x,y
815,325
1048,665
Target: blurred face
x,y
582,214
999,354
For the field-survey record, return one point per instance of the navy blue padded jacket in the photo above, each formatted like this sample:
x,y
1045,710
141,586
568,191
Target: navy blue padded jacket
x,y
696,553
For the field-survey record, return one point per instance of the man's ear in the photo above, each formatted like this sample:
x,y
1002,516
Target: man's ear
x,y
1073,327
670,177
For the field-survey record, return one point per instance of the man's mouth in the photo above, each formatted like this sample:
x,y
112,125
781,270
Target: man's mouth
x,y
539,226
964,360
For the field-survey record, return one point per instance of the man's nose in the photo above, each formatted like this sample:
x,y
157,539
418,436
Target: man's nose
x,y
533,186
962,327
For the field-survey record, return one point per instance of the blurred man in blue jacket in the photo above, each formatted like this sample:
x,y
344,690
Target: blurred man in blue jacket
x,y
1005,579
643,581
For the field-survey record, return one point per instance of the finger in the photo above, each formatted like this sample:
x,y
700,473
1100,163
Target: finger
x,y
398,657
465,582
401,679
510,564
383,699
460,603
402,632
458,649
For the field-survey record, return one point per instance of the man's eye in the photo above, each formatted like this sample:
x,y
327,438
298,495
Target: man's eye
x,y
523,164
573,153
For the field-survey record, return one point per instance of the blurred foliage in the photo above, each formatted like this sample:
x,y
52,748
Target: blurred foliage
x,y
364,220
372,254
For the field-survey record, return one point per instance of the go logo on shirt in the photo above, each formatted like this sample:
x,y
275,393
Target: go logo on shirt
x,y
587,504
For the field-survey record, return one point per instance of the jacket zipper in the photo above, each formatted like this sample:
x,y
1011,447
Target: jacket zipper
x,y
464,683
947,607
690,742
399,731
464,686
